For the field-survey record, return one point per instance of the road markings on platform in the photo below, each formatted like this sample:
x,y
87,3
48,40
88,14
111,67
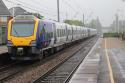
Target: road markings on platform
x,y
109,64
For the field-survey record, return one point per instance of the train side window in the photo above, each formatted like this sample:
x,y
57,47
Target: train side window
x,y
57,33
60,33
69,32
63,32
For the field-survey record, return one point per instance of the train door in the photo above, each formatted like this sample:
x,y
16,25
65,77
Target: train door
x,y
89,33
53,41
72,33
67,33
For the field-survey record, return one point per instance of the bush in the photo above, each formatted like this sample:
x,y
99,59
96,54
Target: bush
x,y
111,35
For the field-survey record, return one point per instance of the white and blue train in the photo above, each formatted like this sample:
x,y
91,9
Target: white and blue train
x,y
30,38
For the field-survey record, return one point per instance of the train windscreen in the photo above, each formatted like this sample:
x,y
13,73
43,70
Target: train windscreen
x,y
22,29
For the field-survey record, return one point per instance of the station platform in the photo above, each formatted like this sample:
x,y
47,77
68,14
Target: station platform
x,y
89,69
105,63
3,49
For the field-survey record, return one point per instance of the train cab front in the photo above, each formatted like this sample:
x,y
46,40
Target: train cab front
x,y
21,40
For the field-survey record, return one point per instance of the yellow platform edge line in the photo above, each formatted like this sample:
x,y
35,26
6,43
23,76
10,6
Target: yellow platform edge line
x,y
109,64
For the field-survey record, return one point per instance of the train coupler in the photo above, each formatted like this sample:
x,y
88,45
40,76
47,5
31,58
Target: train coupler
x,y
20,51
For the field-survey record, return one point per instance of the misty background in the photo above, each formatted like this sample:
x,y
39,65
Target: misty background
x,y
106,13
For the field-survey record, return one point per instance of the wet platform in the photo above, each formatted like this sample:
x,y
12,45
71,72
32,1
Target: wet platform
x,y
112,65
105,63
3,49
89,69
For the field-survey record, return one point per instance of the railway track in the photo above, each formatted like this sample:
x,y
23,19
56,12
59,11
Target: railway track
x,y
4,67
62,72
9,72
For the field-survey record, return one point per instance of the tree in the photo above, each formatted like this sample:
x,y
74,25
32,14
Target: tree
x,y
74,22
96,24
38,15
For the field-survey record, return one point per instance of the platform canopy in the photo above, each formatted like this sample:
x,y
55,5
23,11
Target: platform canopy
x,y
4,10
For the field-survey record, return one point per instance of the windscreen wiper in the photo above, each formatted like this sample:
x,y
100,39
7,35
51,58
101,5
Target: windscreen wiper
x,y
16,32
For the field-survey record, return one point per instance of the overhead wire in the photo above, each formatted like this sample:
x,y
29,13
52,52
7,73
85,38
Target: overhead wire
x,y
47,11
39,9
72,7
31,8
77,5
62,13
38,4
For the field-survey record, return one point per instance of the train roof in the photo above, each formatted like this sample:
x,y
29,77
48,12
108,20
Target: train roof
x,y
24,17
32,17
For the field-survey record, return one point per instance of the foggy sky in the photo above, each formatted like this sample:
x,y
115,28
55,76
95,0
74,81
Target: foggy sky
x,y
74,9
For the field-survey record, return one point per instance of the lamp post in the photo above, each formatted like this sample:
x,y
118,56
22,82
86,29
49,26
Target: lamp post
x,y
58,11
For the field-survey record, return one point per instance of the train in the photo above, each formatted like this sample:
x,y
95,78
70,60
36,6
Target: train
x,y
30,38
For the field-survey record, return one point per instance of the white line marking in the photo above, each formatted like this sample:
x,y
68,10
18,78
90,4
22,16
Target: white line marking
x,y
119,65
109,64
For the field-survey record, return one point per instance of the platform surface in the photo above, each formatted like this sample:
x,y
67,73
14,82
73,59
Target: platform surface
x,y
89,69
112,71
3,49
104,64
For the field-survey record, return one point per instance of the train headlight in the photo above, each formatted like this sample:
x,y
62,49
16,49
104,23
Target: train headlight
x,y
9,43
33,43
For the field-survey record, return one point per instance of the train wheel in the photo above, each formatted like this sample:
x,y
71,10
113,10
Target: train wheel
x,y
55,50
52,50
41,55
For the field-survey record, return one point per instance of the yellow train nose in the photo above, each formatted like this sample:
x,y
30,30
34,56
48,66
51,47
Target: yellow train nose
x,y
21,41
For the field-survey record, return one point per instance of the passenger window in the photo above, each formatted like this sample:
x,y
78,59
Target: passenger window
x,y
58,31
